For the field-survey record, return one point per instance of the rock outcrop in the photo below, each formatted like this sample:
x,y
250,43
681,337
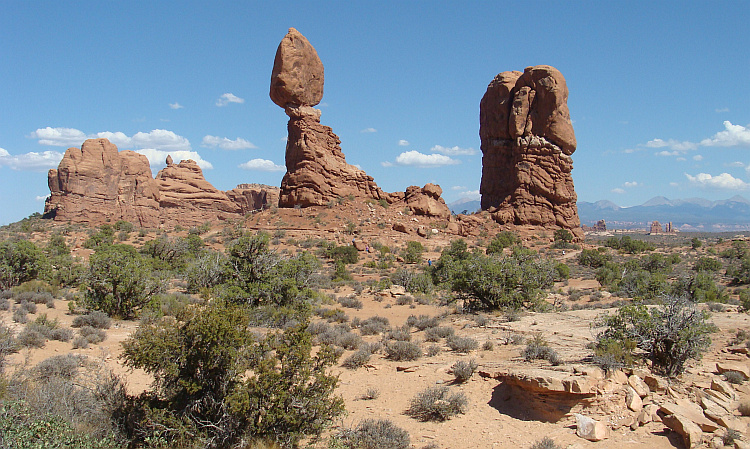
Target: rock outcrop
x,y
252,197
189,197
527,142
427,201
97,184
317,172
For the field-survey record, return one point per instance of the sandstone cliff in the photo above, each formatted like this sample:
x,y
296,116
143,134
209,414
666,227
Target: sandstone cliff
x,y
527,142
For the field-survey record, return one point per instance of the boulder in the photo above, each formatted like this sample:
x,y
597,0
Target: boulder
x,y
427,201
297,75
724,388
648,414
527,140
655,383
690,432
633,400
590,429
690,411
548,381
638,385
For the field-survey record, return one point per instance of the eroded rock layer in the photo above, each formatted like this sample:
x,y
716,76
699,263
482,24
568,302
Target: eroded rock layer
x,y
527,142
97,184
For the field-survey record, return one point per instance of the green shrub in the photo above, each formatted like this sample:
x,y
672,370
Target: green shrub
x,y
734,377
413,252
92,334
670,334
545,443
628,244
347,254
374,434
437,404
422,322
593,258
611,355
538,349
20,262
503,239
707,264
412,280
65,366
434,334
120,281
357,360
350,302
374,325
217,383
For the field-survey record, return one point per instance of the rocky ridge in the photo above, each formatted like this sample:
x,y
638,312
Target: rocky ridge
x,y
97,184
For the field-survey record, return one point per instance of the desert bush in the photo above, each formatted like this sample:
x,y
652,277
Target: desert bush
x,y
492,282
350,302
744,407
20,315
434,334
433,350
8,345
730,436
92,334
374,325
399,334
413,252
488,346
461,344
346,254
318,327
593,258
545,443
21,261
340,336
734,377
611,355
370,394
205,271
628,244
404,300
120,281
437,404
403,350
357,360
80,343
503,239
95,319
538,349
4,304
707,264
463,370
30,338
29,306
373,434
670,334
412,280
64,366
422,322
217,383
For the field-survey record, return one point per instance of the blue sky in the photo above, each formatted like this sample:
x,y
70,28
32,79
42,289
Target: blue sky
x,y
659,91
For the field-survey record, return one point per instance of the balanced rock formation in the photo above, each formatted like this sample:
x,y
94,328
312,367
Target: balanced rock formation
x,y
527,143
317,172
97,184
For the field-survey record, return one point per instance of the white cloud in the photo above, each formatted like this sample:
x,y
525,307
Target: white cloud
x,y
630,184
176,105
227,98
458,188
473,194
59,137
722,181
261,165
668,153
618,190
417,159
735,164
403,143
158,138
453,151
674,184
157,158
698,157
680,159
720,110
732,136
31,161
41,197
672,144
227,144
369,130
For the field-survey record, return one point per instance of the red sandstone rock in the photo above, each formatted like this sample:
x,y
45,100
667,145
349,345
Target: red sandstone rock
x,y
527,139
252,197
297,76
96,184
427,201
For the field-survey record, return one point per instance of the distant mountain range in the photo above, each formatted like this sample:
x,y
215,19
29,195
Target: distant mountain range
x,y
690,214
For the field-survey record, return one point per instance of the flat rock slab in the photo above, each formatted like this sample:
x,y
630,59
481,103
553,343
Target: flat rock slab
x,y
540,380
